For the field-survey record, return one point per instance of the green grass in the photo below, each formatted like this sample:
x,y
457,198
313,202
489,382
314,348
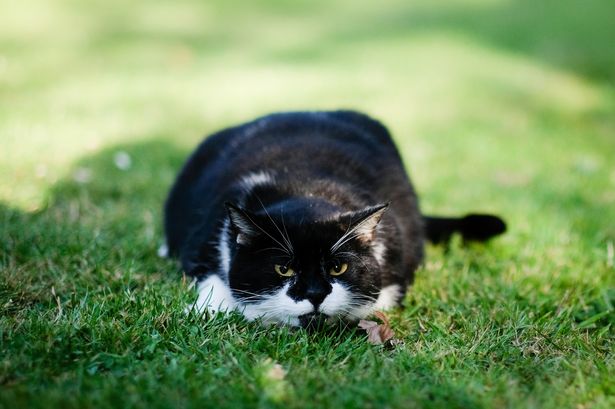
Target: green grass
x,y
502,106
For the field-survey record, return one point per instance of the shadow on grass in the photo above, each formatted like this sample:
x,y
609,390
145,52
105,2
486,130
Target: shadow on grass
x,y
71,272
85,296
97,217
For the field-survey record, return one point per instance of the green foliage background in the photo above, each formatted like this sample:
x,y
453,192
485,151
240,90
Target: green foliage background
x,y
497,105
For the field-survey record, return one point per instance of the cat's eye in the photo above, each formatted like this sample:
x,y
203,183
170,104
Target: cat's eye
x,y
284,271
338,269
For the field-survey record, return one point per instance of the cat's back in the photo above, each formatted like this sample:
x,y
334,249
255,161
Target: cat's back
x,y
324,132
344,146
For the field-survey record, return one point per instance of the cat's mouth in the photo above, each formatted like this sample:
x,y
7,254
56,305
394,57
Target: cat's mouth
x,y
313,320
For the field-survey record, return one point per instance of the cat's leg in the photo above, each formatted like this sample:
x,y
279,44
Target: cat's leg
x,y
163,250
214,296
388,298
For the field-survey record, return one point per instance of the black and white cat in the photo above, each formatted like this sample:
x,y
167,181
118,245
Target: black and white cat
x,y
302,217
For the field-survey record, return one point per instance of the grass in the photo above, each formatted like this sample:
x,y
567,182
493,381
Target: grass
x,y
503,106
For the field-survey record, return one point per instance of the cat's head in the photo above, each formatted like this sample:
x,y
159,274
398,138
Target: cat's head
x,y
304,264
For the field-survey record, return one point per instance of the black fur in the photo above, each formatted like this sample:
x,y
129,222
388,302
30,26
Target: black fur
x,y
473,227
327,171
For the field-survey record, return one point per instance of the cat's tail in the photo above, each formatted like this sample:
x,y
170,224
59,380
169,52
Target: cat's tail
x,y
472,227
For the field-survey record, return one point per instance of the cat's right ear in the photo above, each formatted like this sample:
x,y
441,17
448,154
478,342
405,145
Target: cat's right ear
x,y
242,223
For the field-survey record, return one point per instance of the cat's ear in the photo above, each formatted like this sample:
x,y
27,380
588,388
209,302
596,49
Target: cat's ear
x,y
363,222
242,223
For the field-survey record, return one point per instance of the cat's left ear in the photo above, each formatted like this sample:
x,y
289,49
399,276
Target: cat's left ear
x,y
242,223
363,222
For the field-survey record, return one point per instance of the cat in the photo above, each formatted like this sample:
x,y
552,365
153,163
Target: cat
x,y
303,217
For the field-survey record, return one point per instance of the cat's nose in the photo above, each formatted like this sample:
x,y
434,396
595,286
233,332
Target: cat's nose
x,y
316,296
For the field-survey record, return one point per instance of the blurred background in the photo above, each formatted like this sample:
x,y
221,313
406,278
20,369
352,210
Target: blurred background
x,y
497,105
503,106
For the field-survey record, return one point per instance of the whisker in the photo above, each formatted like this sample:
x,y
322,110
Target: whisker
x,y
272,248
269,235
288,244
342,240
347,253
340,243
359,296
284,226
343,235
250,296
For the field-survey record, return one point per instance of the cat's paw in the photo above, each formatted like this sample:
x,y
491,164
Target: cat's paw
x,y
163,251
214,296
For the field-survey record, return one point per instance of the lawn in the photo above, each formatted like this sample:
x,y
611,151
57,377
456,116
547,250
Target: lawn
x,y
500,106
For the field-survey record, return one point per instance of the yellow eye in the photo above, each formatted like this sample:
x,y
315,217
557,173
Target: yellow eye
x,y
338,269
284,271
